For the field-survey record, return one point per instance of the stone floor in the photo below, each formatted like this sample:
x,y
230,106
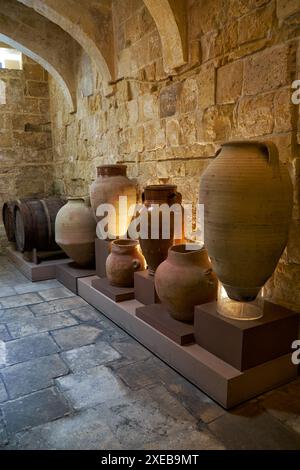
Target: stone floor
x,y
71,379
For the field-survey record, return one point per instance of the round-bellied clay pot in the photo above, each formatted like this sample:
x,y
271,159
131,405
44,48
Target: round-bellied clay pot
x,y
123,261
156,244
247,196
75,231
110,184
185,279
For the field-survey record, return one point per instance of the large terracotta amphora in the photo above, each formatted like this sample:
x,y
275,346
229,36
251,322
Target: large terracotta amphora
x,y
110,184
156,242
75,231
247,196
185,279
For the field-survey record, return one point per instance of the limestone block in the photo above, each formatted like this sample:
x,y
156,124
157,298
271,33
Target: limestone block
x,y
208,41
154,135
293,247
229,82
283,110
37,89
4,122
168,99
189,96
170,169
257,24
188,129
217,123
226,40
6,139
286,284
148,107
255,115
206,85
286,8
173,132
133,112
33,71
266,70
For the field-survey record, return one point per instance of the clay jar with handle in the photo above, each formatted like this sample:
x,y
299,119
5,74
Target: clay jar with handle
x,y
247,196
156,244
110,184
124,260
75,231
185,279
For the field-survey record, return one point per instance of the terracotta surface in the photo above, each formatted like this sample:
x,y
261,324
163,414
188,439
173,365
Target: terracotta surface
x,y
184,280
156,250
124,260
75,231
247,193
112,183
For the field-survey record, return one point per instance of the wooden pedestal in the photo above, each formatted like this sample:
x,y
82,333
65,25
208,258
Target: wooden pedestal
x,y
223,382
102,250
118,294
43,271
157,316
245,344
144,288
68,274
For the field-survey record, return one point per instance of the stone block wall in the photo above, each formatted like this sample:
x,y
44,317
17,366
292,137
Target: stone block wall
x,y
26,159
243,57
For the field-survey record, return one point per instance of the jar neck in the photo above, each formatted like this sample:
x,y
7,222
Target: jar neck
x,y
124,246
161,194
189,254
111,170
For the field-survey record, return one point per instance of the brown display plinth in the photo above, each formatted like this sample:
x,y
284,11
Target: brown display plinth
x,y
43,271
157,316
242,343
144,288
224,383
68,274
102,250
118,294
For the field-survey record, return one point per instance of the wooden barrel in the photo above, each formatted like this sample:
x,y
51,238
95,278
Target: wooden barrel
x,y
8,217
35,224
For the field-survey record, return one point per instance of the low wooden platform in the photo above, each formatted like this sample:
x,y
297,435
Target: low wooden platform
x,y
221,381
35,272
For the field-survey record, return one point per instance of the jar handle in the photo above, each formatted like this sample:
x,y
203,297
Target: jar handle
x,y
136,264
218,151
272,152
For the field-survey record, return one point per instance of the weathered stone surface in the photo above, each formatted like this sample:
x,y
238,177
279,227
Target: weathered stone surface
x,y
255,115
266,70
206,85
3,393
229,82
38,325
55,293
34,409
36,374
88,313
257,24
27,348
4,335
56,306
250,427
286,9
20,300
168,99
24,288
14,314
92,387
81,359
76,336
283,111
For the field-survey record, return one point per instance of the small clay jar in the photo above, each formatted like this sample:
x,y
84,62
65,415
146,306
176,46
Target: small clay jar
x,y
124,260
184,280
156,249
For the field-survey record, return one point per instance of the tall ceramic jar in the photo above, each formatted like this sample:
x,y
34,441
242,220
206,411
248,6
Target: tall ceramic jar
x,y
156,243
75,231
185,279
247,196
124,260
111,183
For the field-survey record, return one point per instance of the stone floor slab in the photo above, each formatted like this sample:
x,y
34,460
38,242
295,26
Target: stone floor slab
x,y
3,393
34,409
139,374
32,326
76,336
3,436
249,427
186,440
56,293
25,349
84,431
4,334
81,359
14,314
29,286
56,306
20,300
92,387
7,291
27,377
87,313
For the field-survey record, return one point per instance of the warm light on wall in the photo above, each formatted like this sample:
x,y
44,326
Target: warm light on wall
x,y
10,59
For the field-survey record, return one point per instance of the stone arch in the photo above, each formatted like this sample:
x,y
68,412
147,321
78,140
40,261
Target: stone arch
x,y
42,41
170,20
89,23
